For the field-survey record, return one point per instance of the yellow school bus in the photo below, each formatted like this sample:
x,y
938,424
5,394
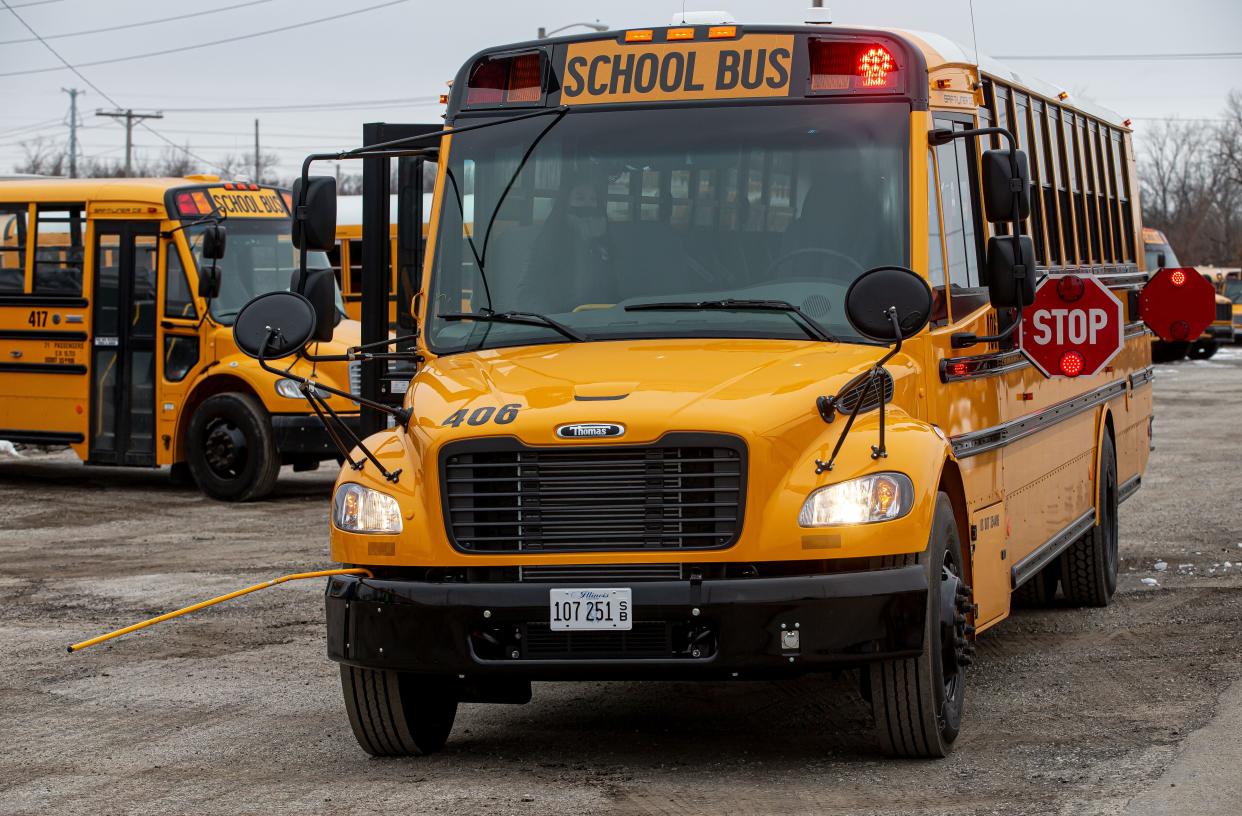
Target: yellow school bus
x,y
648,437
114,340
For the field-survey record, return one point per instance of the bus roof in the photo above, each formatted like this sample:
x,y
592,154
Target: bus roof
x,y
62,190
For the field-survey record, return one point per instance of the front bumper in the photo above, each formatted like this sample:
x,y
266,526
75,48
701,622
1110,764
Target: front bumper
x,y
1220,332
741,627
304,435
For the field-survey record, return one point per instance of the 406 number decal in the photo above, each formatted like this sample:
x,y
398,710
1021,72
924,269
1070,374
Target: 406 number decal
x,y
481,416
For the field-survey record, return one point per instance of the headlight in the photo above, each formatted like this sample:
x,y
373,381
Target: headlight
x,y
878,497
358,509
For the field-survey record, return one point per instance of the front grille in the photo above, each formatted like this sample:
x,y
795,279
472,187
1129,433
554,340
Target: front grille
x,y
1224,311
599,573
685,491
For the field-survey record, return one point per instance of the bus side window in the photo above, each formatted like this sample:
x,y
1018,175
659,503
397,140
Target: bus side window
x,y
961,245
334,258
13,248
58,250
178,301
935,247
353,279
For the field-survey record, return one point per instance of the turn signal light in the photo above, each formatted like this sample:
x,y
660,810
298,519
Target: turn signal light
x,y
1072,363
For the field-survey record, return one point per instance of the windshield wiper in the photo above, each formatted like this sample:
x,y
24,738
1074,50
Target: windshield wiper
x,y
813,329
523,318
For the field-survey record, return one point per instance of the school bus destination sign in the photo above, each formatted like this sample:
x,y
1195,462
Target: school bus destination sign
x,y
603,71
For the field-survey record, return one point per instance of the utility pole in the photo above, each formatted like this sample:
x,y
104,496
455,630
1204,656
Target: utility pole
x,y
130,118
73,129
256,151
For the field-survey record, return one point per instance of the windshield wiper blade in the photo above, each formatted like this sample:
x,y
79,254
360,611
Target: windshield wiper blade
x,y
816,331
522,318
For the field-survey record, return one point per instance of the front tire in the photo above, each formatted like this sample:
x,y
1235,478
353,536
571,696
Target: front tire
x,y
918,701
1089,565
397,713
232,451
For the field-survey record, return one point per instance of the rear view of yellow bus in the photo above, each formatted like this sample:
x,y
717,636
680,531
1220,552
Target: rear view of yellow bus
x,y
117,299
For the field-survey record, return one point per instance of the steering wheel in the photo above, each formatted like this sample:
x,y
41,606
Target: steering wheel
x,y
788,256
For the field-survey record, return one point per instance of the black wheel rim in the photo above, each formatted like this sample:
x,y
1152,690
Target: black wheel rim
x,y
225,449
951,614
1108,526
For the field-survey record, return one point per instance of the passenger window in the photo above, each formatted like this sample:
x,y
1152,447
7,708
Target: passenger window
x,y
353,281
13,248
178,300
957,208
58,250
180,356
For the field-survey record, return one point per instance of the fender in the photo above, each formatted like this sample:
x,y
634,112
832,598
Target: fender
x,y
1103,425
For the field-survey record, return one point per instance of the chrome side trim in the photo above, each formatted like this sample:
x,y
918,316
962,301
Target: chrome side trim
x,y
987,439
1129,487
983,365
1043,555
1142,377
1137,329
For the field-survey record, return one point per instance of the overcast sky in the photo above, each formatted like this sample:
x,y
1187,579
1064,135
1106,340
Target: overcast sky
x,y
406,52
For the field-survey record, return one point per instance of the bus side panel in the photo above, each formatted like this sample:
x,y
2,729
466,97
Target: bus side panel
x,y
43,371
1131,414
990,563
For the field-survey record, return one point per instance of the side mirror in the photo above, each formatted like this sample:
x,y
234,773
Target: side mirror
x,y
314,223
871,295
1000,183
1161,261
274,325
214,240
1008,286
209,282
320,292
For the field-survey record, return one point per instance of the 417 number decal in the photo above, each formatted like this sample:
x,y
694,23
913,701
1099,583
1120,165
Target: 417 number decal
x,y
481,416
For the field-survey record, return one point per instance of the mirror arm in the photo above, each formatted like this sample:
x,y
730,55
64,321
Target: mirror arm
x,y
877,452
939,136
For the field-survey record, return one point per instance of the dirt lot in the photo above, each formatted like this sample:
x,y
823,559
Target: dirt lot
x,y
1131,709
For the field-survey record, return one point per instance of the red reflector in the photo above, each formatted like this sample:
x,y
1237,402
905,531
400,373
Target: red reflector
x,y
495,81
1177,278
845,66
1072,364
1070,288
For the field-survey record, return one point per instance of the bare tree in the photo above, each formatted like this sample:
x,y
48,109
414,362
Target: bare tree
x,y
43,158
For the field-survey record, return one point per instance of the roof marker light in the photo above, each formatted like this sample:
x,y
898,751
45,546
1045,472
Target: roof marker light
x,y
1063,95
721,32
680,34
638,35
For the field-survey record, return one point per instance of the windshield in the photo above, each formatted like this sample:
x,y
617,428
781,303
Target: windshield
x,y
1233,290
616,208
258,258
1154,251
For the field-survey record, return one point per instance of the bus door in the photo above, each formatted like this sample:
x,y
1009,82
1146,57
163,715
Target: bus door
x,y
122,401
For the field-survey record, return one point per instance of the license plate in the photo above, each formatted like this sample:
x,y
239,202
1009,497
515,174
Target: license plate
x,y
577,609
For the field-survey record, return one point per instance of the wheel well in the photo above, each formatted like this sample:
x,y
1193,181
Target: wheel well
x,y
951,484
217,384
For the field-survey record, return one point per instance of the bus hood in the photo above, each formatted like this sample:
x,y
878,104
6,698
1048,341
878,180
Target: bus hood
x,y
746,387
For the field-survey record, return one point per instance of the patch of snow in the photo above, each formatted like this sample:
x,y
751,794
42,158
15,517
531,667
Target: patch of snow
x,y
1160,566
1151,582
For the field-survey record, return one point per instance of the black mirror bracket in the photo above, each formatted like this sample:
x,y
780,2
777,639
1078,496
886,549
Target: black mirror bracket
x,y
874,380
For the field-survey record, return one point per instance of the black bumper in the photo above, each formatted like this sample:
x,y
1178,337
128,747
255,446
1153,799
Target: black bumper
x,y
304,435
742,627
1216,332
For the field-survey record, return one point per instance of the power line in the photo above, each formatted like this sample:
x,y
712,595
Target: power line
x,y
179,17
35,3
101,92
185,48
36,126
362,104
1200,55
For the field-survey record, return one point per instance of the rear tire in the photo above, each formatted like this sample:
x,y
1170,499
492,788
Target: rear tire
x,y
1089,565
179,474
918,701
1202,350
232,451
397,713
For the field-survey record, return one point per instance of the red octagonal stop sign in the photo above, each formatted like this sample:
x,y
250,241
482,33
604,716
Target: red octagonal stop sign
x,y
1074,327
1178,304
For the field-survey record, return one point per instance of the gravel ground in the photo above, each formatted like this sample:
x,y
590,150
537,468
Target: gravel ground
x,y
1130,709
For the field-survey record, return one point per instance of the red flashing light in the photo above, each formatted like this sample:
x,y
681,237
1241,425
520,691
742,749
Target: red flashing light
x,y
1177,278
874,66
851,66
1070,288
959,369
186,205
1180,330
506,80
1072,363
